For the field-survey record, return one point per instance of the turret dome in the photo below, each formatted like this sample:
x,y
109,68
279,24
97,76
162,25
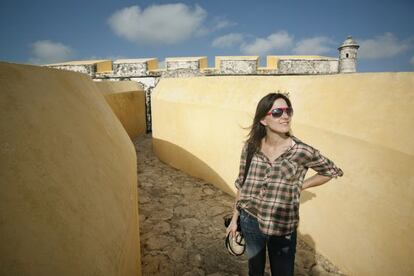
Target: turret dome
x,y
349,42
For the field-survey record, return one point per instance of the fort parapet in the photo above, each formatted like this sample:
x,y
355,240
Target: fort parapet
x,y
224,65
147,72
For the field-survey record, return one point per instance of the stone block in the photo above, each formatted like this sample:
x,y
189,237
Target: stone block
x,y
89,67
306,65
134,67
237,65
185,63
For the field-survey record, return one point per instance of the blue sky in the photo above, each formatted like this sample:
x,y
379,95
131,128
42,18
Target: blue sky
x,y
48,31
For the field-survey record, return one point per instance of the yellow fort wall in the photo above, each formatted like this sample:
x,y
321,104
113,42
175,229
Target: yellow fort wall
x,y
127,101
68,201
362,222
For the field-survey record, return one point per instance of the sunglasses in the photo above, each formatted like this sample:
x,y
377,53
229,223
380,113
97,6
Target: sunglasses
x,y
278,112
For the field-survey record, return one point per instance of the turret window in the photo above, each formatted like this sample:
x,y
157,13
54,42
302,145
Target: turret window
x,y
347,55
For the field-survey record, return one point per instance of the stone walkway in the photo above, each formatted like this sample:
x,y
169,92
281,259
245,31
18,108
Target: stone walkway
x,y
181,225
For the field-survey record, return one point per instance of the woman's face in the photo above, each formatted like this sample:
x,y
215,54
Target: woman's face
x,y
279,125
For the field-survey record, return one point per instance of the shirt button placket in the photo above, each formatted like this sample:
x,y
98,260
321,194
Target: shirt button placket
x,y
265,181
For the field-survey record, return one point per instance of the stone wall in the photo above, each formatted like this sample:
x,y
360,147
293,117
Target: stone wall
x,y
237,65
197,66
133,68
85,69
89,67
308,67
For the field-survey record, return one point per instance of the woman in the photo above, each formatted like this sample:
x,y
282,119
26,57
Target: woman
x,y
267,201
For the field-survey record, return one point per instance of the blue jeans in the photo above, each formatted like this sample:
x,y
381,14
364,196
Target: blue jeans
x,y
281,249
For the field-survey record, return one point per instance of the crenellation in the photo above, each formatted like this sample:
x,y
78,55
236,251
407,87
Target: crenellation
x,y
307,66
178,67
237,65
85,69
129,69
146,71
89,67
185,63
134,67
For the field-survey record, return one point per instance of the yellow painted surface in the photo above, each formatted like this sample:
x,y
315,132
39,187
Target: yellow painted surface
x,y
203,63
68,201
362,222
271,62
104,66
127,100
152,64
112,87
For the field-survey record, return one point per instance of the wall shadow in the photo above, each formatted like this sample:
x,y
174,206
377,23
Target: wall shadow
x,y
306,196
308,261
181,159
305,250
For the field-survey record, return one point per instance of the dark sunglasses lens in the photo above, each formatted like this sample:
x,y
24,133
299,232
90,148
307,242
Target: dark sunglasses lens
x,y
277,112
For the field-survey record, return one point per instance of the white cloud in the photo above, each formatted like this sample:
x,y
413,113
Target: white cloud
x,y
228,40
275,42
158,24
412,61
46,51
218,23
383,46
314,46
221,23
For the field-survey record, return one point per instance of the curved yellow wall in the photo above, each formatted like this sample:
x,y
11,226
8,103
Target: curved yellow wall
x,y
363,222
127,101
68,201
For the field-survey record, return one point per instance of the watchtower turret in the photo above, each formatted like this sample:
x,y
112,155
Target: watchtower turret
x,y
348,56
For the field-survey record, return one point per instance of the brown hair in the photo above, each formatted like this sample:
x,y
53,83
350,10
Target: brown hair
x,y
258,131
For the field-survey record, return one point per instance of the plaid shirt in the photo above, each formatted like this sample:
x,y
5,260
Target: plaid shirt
x,y
272,189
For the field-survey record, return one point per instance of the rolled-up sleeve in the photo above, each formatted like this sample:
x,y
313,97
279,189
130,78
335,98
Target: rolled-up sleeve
x,y
323,165
239,181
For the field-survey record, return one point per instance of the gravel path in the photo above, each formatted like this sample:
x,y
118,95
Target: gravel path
x,y
181,225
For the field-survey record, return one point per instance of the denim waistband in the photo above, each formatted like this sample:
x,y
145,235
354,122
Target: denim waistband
x,y
247,214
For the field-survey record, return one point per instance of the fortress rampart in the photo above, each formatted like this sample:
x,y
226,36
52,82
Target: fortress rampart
x,y
197,66
224,65
147,72
68,201
362,221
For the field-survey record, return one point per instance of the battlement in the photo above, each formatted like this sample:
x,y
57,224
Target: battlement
x,y
133,67
89,67
147,72
224,65
198,66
